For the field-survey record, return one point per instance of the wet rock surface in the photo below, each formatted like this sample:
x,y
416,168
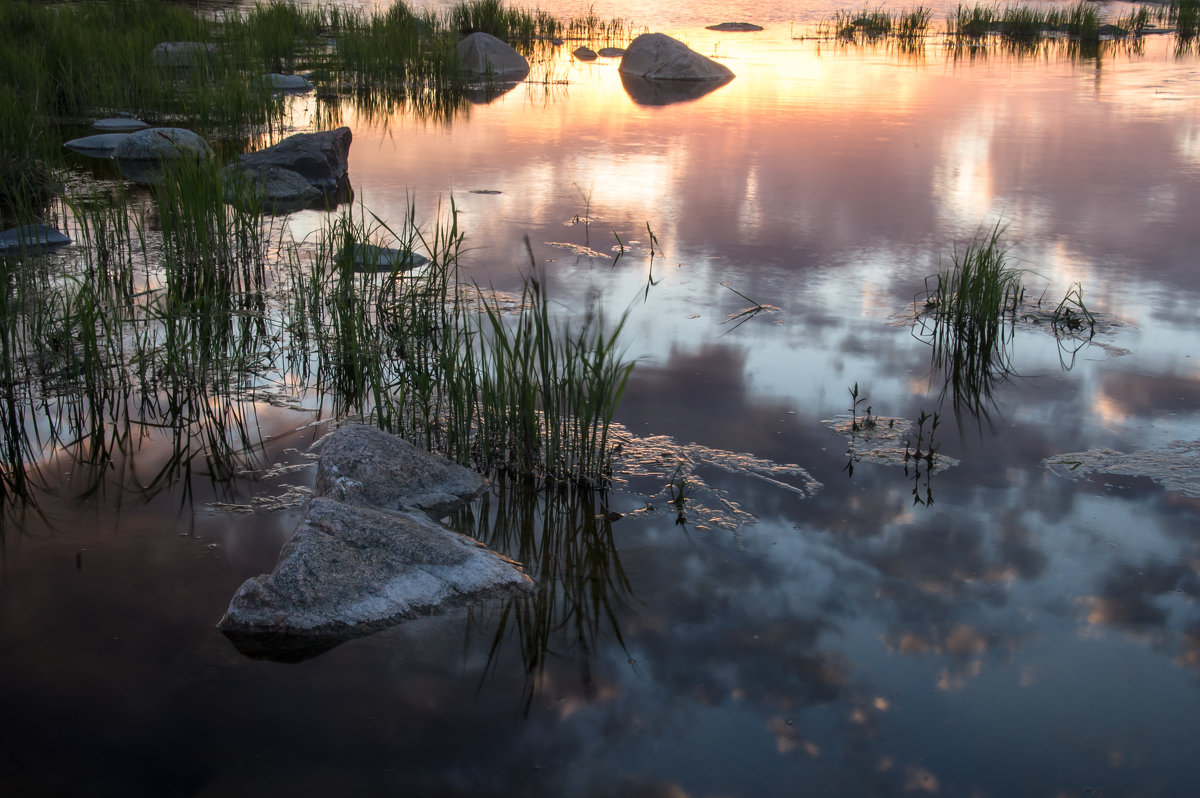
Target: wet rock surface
x,y
101,145
366,555
157,144
277,174
30,238
120,124
584,54
656,56
485,56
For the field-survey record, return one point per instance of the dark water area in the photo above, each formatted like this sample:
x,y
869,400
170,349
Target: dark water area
x,y
819,616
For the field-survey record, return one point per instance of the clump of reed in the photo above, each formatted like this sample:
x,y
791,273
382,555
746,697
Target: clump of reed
x,y
968,315
514,25
1185,16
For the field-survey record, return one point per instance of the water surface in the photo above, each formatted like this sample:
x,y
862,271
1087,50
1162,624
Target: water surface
x,y
994,628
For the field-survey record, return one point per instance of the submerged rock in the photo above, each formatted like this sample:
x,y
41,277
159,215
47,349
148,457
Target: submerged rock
x,y
584,54
182,54
120,124
656,56
366,556
276,175
101,145
612,52
288,83
30,238
485,56
370,257
734,27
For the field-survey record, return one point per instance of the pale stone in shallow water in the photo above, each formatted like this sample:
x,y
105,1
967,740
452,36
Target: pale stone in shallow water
x,y
182,54
656,56
289,83
483,55
354,569
366,556
161,144
101,145
364,465
120,124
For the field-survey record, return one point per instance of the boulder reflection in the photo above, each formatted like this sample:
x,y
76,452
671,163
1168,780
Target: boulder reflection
x,y
667,92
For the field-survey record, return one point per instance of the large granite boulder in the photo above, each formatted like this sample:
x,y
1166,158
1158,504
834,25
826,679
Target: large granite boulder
x,y
143,155
485,56
319,159
367,466
656,56
351,570
366,555
158,144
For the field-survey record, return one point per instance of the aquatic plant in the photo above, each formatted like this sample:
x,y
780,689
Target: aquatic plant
x,y
1185,16
514,25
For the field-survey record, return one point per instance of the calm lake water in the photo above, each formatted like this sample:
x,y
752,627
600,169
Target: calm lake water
x,y
824,621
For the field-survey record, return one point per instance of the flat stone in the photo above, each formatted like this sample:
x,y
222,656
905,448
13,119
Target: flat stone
x,y
30,238
612,52
351,570
735,27
485,56
182,54
656,56
288,83
584,54
101,145
120,124
369,257
364,465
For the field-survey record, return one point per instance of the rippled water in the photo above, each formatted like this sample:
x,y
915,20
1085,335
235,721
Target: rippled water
x,y
788,606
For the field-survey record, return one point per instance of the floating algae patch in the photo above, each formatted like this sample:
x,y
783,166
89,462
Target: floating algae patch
x,y
578,249
679,470
889,441
1175,466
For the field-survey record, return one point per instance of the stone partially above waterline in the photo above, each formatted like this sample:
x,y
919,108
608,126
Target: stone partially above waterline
x,y
101,145
303,170
30,238
485,56
656,56
366,555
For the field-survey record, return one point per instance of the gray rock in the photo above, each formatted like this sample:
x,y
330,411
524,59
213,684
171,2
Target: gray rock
x,y
584,54
273,188
182,54
369,257
288,83
366,466
322,159
735,27
612,52
485,56
656,56
157,144
30,238
120,124
351,569
101,145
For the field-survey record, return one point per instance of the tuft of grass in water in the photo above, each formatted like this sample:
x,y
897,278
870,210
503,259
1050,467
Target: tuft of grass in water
x,y
969,316
973,23
1185,16
549,389
513,25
